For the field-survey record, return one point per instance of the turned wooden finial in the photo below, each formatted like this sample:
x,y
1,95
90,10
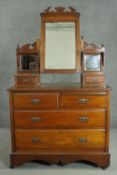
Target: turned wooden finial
x,y
103,47
37,44
18,46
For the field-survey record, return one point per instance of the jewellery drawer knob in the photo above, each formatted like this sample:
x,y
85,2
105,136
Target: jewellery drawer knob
x,y
35,139
82,139
35,119
83,119
83,100
35,101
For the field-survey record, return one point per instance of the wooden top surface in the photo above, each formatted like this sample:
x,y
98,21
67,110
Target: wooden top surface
x,y
59,87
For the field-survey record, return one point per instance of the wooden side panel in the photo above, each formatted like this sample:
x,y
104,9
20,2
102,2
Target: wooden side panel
x,y
108,122
12,120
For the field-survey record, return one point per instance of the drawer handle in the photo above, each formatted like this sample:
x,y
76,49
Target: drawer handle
x,y
36,119
26,80
94,79
35,139
82,139
84,119
35,101
83,100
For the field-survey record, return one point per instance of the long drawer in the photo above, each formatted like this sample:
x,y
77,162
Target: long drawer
x,y
68,100
35,100
60,119
57,140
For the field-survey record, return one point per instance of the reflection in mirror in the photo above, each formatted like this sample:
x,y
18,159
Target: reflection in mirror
x,y
28,62
60,51
92,62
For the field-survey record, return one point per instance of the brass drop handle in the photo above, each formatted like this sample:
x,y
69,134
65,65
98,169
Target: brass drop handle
x,y
84,118
35,101
83,100
82,139
35,119
35,139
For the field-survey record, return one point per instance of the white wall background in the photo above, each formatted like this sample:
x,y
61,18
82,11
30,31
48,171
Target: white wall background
x,y
20,23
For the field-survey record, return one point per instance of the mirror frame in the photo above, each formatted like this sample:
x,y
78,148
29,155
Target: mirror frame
x,y
93,49
25,50
60,14
100,66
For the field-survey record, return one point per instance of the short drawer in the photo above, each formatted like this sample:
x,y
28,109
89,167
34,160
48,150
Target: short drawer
x,y
94,79
35,100
57,140
60,119
26,80
97,101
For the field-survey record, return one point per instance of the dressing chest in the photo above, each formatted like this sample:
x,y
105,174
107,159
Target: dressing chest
x,y
59,123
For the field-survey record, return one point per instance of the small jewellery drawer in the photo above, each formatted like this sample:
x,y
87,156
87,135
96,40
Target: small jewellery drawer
x,y
35,100
74,100
26,80
94,79
57,140
60,119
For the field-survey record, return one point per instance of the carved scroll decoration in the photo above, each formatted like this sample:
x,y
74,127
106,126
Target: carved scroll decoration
x,y
60,10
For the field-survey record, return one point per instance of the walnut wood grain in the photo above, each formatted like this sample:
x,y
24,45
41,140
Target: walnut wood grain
x,y
94,79
99,159
76,119
35,100
73,88
57,136
27,80
57,140
82,101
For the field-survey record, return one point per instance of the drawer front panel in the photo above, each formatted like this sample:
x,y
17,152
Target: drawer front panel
x,y
23,80
57,140
83,101
60,119
94,79
35,100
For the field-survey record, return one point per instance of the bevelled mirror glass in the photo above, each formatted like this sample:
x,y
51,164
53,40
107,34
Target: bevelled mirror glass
x,y
60,54
60,41
92,62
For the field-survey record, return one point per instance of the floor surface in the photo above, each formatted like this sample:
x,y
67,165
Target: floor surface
x,y
41,169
